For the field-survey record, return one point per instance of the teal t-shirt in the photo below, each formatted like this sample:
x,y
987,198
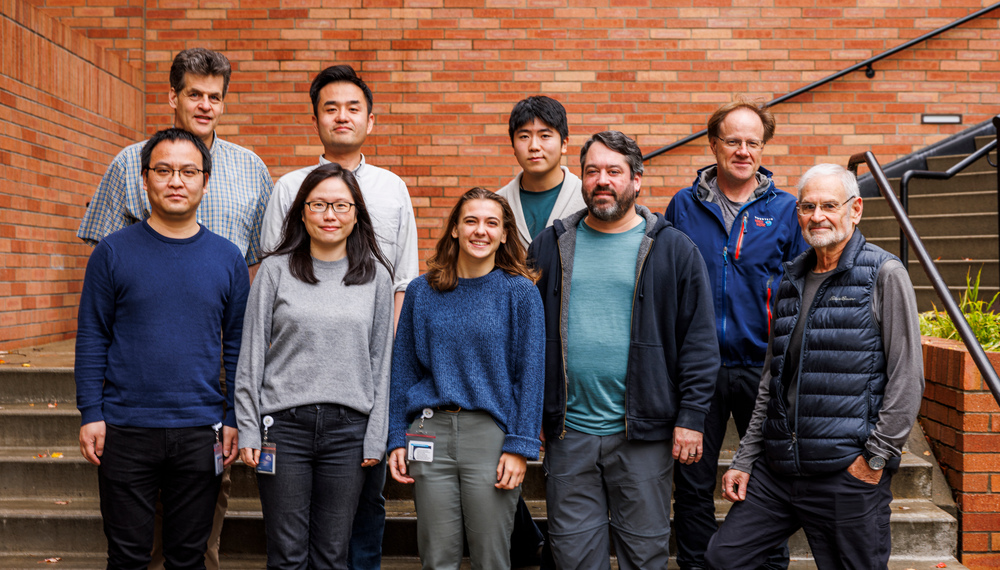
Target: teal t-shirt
x,y
537,207
600,323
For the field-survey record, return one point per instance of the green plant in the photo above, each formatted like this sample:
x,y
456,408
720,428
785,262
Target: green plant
x,y
983,322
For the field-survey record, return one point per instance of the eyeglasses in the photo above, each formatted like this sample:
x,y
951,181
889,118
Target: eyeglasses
x,y
734,143
807,208
320,207
164,174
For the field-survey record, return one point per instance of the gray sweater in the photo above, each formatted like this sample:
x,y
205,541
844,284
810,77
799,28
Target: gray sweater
x,y
315,344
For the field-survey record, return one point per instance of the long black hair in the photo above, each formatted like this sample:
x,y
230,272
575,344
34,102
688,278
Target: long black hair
x,y
362,247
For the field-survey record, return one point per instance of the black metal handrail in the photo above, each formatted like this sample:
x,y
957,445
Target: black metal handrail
x,y
904,184
867,64
957,317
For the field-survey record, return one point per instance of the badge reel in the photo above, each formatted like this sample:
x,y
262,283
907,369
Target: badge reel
x,y
217,450
268,452
420,445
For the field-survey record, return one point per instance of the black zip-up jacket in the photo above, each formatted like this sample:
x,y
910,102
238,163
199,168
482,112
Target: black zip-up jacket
x,y
673,351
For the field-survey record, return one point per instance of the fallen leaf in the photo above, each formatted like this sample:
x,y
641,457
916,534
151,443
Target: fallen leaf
x,y
52,560
62,502
3,362
41,455
53,404
57,455
941,565
928,453
26,365
904,508
32,404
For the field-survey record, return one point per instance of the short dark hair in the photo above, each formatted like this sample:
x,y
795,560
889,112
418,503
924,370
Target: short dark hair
x,y
363,251
545,109
741,102
199,61
620,143
338,74
174,135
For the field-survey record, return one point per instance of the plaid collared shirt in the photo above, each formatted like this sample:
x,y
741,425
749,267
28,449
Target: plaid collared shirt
x,y
233,207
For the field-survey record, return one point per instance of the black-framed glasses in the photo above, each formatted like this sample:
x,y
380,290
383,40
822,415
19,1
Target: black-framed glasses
x,y
807,208
164,174
320,206
735,143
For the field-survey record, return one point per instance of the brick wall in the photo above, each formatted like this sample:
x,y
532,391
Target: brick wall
x,y
962,421
66,108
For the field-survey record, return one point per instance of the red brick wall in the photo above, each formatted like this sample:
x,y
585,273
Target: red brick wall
x,y
962,421
66,108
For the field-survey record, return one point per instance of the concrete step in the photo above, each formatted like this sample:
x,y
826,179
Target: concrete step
x,y
943,163
927,298
983,140
937,225
961,182
954,272
39,426
21,385
950,203
919,528
957,247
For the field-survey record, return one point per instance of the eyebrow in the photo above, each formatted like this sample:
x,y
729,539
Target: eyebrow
x,y
351,102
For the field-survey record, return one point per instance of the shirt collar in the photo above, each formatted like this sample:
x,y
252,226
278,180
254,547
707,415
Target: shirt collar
x,y
357,170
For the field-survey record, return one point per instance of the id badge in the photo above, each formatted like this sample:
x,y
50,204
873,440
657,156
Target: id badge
x,y
265,465
219,459
419,447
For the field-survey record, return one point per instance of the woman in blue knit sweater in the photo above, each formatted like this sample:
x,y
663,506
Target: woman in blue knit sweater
x,y
465,405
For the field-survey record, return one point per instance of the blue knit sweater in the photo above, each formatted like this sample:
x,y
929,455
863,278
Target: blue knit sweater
x,y
155,314
480,346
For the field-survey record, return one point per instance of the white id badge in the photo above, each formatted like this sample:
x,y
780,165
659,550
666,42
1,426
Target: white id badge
x,y
419,447
265,465
219,459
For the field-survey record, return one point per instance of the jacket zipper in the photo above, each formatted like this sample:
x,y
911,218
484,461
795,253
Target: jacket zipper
x,y
739,242
770,317
725,305
561,349
642,268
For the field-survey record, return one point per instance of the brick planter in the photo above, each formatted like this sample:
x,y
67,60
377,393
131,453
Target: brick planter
x,y
962,422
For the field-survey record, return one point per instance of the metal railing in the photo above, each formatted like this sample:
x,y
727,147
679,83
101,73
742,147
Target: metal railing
x,y
904,184
866,65
962,325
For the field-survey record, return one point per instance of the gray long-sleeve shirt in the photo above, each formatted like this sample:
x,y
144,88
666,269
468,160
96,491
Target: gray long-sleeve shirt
x,y
894,307
327,343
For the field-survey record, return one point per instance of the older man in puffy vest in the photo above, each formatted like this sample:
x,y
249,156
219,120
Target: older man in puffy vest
x,y
841,388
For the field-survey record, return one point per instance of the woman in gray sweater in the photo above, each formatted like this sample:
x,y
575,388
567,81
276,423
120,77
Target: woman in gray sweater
x,y
312,384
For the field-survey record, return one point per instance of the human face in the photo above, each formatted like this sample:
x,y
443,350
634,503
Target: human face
x,y
479,231
199,106
537,148
609,188
342,118
328,230
737,166
825,230
174,198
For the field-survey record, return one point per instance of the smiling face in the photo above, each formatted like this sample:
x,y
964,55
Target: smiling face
x,y
328,231
199,106
342,118
479,231
176,197
537,148
609,188
828,230
737,166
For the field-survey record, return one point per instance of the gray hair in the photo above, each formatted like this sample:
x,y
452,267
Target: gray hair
x,y
199,61
620,143
847,178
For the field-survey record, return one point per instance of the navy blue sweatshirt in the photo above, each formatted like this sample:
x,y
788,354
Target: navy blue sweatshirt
x,y
155,314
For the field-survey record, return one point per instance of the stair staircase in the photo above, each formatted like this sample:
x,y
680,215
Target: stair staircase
x,y
957,221
49,503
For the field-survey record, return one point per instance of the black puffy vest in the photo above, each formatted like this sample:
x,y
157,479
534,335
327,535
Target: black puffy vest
x,y
842,370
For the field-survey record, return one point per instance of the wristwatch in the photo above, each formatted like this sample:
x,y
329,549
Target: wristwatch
x,y
875,462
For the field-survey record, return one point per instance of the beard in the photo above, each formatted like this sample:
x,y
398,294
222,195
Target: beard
x,y
614,211
832,237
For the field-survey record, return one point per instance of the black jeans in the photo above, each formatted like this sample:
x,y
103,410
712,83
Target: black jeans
x,y
141,464
694,485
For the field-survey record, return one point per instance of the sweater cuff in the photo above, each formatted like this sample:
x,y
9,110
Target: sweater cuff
x,y
230,420
91,414
691,419
526,447
250,438
396,440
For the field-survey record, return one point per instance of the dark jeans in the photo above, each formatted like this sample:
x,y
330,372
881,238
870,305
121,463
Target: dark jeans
x,y
845,519
141,464
309,502
694,485
365,551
